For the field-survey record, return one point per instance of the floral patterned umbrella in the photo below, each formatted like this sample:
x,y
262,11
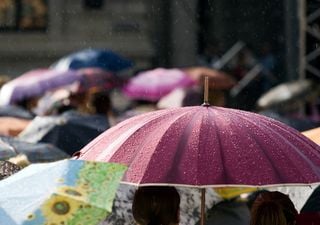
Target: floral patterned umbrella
x,y
64,192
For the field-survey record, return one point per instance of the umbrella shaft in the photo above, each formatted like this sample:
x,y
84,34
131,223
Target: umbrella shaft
x,y
203,205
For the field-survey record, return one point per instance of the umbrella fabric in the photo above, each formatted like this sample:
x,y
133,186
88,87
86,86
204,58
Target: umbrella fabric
x,y
207,146
313,134
7,169
15,111
100,58
90,80
70,131
35,83
151,85
35,152
218,80
63,192
284,93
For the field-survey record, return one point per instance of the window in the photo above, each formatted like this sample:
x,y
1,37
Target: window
x,y
23,14
93,4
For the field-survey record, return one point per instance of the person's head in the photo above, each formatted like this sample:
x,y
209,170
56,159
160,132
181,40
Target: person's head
x,y
273,208
101,102
155,205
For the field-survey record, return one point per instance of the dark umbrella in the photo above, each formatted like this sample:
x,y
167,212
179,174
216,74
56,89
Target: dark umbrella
x,y
285,92
35,152
15,111
100,58
70,131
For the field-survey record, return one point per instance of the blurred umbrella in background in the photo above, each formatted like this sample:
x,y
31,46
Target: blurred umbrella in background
x,y
285,92
153,84
35,152
63,192
218,80
100,58
34,83
69,131
15,111
300,124
90,80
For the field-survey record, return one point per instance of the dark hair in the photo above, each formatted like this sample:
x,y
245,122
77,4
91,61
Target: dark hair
x,y
156,205
101,102
273,208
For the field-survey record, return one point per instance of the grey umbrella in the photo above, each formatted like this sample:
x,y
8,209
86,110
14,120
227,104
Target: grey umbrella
x,y
69,131
35,152
285,93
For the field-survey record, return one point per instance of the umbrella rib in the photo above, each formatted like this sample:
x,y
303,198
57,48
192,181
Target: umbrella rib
x,y
141,146
283,139
216,128
181,145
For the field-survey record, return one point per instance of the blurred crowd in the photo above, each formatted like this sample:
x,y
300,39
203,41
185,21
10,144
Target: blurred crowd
x,y
49,114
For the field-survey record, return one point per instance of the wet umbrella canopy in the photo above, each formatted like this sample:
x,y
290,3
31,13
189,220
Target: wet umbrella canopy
x,y
207,146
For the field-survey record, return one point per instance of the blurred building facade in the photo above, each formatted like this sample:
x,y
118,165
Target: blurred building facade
x,y
168,33
35,33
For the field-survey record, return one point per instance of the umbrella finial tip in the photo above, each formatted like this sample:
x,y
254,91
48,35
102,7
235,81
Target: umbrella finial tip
x,y
206,104
206,92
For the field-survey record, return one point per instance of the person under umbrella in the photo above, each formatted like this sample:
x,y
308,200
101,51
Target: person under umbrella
x,y
273,208
154,205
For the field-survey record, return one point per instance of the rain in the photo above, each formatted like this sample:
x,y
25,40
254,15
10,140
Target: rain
x,y
149,112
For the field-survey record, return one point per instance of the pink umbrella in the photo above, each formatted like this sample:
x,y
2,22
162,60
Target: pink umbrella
x,y
153,84
204,146
35,83
207,146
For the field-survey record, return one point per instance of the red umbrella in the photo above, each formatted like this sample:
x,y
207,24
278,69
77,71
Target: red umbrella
x,y
204,146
